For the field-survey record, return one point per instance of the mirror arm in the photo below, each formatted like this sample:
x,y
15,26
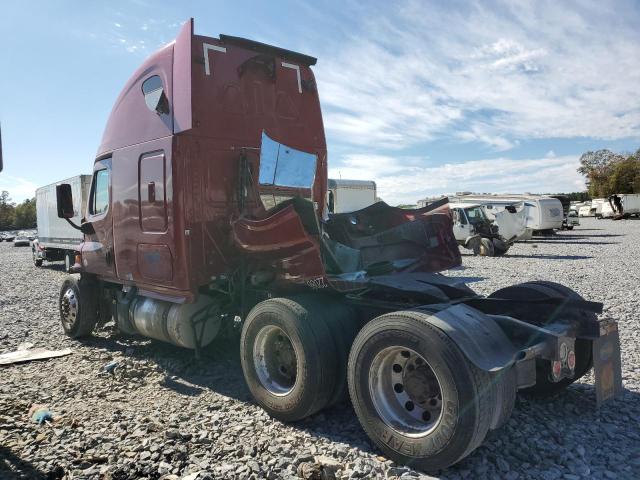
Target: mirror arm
x,y
73,224
85,227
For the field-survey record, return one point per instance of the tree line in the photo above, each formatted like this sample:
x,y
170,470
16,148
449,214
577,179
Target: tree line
x,y
16,217
608,172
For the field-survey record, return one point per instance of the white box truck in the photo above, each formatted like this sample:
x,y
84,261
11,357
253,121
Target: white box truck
x,y
350,195
57,240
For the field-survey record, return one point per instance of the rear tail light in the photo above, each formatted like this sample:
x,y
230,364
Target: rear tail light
x,y
571,360
563,352
556,369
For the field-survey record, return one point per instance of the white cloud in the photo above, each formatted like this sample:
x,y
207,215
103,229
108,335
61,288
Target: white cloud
x,y
404,180
489,72
19,188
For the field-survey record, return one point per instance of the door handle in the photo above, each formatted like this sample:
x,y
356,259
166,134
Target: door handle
x,y
151,192
108,256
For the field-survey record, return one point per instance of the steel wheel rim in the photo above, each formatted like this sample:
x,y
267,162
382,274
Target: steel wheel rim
x,y
406,392
69,308
275,360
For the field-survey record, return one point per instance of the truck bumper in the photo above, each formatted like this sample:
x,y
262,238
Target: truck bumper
x,y
607,364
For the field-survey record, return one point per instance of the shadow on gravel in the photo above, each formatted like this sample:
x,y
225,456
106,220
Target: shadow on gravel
x,y
13,467
572,242
470,279
549,257
58,267
561,422
573,236
218,369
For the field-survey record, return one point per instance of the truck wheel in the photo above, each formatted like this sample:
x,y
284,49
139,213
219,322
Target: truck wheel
x,y
539,290
287,359
499,247
486,247
416,395
36,261
78,306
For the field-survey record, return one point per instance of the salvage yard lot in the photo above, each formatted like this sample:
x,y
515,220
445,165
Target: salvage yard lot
x,y
163,412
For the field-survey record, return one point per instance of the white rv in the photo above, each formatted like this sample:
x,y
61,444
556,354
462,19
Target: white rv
x,y
596,206
604,210
585,211
350,195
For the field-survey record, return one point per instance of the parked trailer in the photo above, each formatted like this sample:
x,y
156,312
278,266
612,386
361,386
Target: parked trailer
x,y
350,195
201,212
596,206
57,239
604,210
586,211
631,203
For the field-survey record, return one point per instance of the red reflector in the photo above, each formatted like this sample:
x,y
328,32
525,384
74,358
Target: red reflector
x,y
571,360
557,369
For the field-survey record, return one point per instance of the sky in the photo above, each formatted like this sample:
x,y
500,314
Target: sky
x,y
424,97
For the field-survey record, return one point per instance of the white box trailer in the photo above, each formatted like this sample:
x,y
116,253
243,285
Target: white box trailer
x,y
631,203
57,239
350,195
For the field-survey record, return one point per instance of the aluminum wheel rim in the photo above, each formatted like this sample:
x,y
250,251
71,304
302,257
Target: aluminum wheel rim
x,y
69,308
275,360
405,391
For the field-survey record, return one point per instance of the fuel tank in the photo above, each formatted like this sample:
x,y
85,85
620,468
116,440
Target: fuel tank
x,y
174,323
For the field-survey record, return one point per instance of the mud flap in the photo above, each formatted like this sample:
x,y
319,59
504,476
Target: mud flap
x,y
607,364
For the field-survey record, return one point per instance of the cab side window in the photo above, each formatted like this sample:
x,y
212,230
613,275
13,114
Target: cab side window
x,y
100,192
460,216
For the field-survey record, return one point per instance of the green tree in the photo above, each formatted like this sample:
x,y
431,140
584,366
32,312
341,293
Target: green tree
x,y
25,214
625,176
7,211
608,173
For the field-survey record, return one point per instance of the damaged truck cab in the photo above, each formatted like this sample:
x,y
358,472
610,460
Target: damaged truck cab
x,y
208,205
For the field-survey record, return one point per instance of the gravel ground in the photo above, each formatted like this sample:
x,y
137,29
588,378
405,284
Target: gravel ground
x,y
162,413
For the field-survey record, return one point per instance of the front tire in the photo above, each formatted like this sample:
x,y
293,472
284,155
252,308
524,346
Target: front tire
x,y
486,247
78,305
416,395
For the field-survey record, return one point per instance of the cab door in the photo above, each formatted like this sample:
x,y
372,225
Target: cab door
x,y
461,228
97,249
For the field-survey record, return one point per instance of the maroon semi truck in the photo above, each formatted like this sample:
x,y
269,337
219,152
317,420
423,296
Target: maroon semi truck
x,y
208,204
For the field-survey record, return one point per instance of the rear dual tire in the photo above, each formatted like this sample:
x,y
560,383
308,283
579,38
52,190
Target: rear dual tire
x,y
294,354
472,401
